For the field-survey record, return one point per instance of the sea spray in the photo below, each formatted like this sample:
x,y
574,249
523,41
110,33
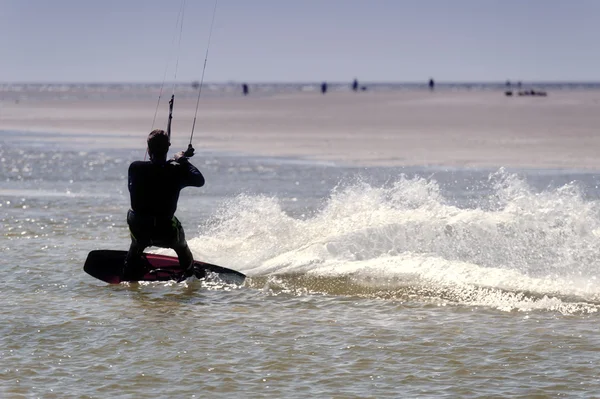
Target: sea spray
x,y
517,241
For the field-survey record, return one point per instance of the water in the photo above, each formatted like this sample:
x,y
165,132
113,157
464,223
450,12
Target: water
x,y
378,282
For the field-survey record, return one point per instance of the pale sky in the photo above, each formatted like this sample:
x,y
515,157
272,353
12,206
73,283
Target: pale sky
x,y
300,40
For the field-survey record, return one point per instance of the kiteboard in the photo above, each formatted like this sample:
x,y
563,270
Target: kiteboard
x,y
107,265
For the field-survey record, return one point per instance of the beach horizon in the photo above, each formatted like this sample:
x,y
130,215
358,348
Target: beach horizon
x,y
446,127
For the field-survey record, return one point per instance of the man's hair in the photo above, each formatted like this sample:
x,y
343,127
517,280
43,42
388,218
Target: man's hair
x,y
158,142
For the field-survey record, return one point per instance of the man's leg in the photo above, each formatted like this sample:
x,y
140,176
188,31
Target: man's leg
x,y
172,236
133,269
186,259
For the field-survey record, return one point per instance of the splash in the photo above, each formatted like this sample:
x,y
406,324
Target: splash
x,y
517,249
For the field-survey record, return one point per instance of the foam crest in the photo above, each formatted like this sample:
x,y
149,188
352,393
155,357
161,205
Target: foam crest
x,y
516,248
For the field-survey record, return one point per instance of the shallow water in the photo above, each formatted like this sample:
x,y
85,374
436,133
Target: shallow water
x,y
378,282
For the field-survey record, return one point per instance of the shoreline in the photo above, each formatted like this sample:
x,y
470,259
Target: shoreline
x,y
413,128
128,144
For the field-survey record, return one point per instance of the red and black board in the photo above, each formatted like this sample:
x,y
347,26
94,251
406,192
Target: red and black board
x,y
107,265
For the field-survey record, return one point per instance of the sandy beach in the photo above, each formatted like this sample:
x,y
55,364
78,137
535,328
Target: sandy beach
x,y
443,128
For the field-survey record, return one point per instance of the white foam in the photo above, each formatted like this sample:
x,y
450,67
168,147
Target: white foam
x,y
542,244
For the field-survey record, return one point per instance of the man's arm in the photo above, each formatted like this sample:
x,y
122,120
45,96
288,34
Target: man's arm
x,y
192,176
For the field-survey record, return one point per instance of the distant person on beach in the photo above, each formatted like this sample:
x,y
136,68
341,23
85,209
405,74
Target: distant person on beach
x,y
324,87
355,85
245,89
431,84
154,188
508,92
533,93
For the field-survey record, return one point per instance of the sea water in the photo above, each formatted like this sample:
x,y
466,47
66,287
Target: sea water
x,y
362,282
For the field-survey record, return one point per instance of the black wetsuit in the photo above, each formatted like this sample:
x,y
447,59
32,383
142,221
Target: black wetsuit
x,y
154,190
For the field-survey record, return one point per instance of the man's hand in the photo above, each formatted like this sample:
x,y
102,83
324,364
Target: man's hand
x,y
189,152
182,156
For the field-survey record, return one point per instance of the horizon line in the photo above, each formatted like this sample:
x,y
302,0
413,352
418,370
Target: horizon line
x,y
311,82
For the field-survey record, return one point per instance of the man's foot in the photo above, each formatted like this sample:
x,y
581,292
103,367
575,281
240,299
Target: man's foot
x,y
189,272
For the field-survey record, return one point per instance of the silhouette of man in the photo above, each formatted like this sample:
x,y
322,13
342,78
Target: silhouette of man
x,y
355,85
324,87
154,188
245,89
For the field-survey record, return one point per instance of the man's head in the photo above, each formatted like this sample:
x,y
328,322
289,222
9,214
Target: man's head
x,y
158,144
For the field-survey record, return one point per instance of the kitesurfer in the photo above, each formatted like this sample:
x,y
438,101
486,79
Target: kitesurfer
x,y
154,188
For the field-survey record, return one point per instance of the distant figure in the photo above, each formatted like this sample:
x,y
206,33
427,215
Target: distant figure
x,y
355,85
195,84
508,92
324,87
245,89
533,93
431,84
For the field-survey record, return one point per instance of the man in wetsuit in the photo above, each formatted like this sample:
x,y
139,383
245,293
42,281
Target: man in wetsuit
x,y
154,188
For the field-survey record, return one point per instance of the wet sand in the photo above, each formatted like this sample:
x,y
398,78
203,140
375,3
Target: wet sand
x,y
454,129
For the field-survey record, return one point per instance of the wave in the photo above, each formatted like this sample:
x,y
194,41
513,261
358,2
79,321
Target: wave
x,y
517,249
